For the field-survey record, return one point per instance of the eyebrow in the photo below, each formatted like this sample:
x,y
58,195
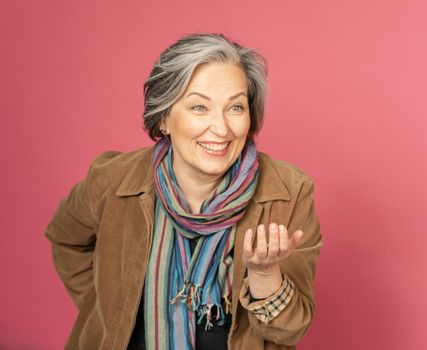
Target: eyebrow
x,y
208,98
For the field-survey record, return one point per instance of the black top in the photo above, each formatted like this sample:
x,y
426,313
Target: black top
x,y
213,339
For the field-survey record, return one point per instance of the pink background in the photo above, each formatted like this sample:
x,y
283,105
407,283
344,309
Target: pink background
x,y
347,103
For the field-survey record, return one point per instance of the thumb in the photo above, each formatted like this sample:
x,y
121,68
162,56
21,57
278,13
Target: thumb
x,y
296,237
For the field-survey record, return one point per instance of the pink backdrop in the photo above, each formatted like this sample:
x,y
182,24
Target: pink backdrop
x,y
347,103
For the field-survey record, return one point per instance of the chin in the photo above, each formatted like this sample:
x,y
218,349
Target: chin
x,y
213,169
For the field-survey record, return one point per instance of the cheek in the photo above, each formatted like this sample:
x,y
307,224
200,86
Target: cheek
x,y
191,126
185,134
179,128
241,127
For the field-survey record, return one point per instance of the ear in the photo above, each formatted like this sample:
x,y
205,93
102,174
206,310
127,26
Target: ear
x,y
164,128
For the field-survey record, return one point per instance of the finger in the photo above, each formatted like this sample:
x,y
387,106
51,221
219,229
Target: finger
x,y
283,240
248,244
261,243
295,240
273,242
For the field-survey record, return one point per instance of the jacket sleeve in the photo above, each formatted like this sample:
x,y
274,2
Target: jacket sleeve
x,y
72,231
268,308
294,320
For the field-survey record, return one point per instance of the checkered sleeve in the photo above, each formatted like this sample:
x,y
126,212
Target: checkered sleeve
x,y
267,309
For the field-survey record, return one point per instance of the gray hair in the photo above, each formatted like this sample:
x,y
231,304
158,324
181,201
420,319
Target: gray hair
x,y
173,70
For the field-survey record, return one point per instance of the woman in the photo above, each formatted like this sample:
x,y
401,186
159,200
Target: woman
x,y
201,241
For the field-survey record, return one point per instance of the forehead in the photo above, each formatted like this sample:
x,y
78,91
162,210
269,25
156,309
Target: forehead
x,y
218,75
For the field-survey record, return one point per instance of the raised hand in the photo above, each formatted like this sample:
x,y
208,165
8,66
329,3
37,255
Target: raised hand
x,y
265,255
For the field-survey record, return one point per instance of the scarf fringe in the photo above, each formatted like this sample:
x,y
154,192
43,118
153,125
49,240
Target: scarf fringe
x,y
206,310
227,304
191,293
180,295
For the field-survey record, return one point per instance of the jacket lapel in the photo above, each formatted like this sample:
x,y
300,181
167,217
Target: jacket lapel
x,y
140,177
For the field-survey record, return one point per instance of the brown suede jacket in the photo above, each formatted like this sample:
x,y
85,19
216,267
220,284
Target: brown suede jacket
x,y
101,235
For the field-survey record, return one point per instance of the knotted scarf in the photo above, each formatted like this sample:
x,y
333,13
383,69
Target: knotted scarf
x,y
182,287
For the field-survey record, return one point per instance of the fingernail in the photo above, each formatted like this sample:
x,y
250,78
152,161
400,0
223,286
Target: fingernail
x,y
273,227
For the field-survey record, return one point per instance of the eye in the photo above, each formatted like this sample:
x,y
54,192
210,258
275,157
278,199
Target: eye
x,y
198,108
237,108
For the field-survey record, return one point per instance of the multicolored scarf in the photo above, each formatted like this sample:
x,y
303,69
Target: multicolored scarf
x,y
181,286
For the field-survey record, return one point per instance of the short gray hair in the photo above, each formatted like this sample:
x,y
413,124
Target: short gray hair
x,y
173,70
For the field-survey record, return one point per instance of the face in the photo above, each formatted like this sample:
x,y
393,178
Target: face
x,y
209,124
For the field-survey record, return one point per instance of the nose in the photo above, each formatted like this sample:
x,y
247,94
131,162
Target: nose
x,y
219,124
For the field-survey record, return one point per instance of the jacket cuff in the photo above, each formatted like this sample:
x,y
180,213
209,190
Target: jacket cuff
x,y
267,309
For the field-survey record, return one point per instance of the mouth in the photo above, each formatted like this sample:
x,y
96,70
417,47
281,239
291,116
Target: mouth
x,y
214,147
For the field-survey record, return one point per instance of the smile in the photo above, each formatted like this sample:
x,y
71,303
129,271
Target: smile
x,y
214,147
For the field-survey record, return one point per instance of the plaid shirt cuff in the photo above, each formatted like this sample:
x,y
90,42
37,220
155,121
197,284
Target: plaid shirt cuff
x,y
267,309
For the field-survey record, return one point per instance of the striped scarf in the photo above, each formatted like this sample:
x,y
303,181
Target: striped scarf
x,y
182,287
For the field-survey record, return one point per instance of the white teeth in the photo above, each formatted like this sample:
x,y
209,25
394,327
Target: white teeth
x,y
213,147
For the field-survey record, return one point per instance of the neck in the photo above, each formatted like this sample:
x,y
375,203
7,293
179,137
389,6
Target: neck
x,y
196,187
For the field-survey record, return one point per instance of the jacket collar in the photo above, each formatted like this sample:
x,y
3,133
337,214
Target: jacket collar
x,y
140,179
270,185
